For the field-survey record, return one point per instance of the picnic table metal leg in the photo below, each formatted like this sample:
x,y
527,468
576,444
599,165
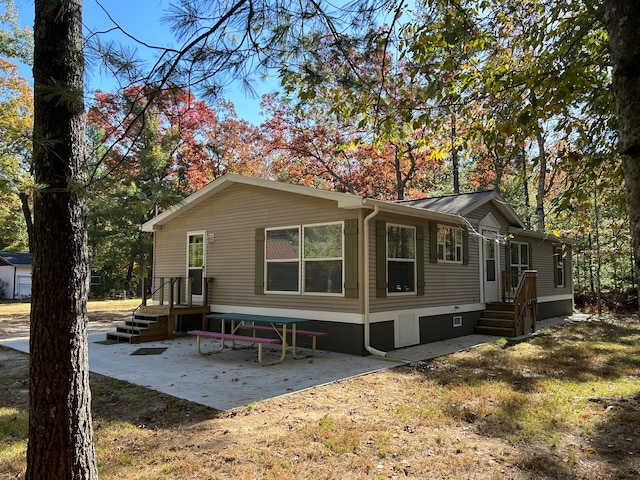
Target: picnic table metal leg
x,y
213,351
283,352
294,354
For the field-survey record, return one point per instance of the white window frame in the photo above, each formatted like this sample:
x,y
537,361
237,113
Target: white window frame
x,y
559,267
521,266
402,260
280,260
302,261
458,248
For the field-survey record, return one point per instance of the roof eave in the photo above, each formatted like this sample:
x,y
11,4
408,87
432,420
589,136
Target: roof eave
x,y
414,211
542,236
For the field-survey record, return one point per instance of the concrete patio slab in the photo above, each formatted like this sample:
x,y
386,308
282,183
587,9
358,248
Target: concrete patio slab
x,y
234,378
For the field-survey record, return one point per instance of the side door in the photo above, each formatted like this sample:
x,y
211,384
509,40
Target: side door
x,y
490,265
196,263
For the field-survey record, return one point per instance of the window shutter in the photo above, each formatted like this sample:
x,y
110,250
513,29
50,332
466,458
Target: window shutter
x,y
381,259
530,261
465,247
556,259
420,259
433,242
507,255
259,265
351,258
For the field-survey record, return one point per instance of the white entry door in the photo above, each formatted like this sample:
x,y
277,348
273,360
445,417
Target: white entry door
x,y
491,265
196,255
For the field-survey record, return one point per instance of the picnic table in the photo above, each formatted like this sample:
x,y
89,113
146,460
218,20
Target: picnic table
x,y
279,325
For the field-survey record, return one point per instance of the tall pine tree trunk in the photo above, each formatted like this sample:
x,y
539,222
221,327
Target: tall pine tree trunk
x,y
623,25
455,164
542,180
60,429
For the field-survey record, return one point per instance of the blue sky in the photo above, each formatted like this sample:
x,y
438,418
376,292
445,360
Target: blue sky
x,y
143,20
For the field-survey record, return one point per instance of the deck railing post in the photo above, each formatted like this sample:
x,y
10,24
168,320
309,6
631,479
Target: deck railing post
x,y
190,291
161,292
205,294
171,288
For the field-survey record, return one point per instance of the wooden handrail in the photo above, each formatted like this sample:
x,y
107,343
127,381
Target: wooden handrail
x,y
175,290
525,302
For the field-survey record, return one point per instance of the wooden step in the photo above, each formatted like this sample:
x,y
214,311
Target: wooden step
x,y
495,331
503,314
121,336
498,320
142,328
127,328
501,306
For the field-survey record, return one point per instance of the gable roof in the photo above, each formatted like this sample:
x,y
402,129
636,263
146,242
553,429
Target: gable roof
x,y
14,259
464,203
344,200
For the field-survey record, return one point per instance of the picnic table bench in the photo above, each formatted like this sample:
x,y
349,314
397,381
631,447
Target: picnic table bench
x,y
243,321
304,333
233,337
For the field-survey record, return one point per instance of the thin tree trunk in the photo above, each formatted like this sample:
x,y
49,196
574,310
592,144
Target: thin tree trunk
x,y
591,281
525,186
623,24
454,156
60,428
598,257
28,220
542,179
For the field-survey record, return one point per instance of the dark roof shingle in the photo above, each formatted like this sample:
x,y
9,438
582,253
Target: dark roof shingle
x,y
452,204
16,258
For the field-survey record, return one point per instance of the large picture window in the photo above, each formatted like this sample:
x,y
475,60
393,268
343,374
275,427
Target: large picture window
x,y
401,259
450,244
316,257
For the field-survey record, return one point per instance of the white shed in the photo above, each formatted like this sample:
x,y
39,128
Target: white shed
x,y
15,275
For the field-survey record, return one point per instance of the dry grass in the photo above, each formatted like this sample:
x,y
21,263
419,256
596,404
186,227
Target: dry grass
x,y
564,405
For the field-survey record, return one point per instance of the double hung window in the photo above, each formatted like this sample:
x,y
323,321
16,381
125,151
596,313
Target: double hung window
x,y
450,244
401,259
559,264
519,256
323,258
283,259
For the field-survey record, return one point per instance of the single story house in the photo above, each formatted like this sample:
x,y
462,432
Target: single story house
x,y
376,275
15,275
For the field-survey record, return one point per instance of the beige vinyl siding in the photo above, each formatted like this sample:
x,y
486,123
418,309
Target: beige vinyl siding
x,y
445,283
482,211
233,216
454,283
543,263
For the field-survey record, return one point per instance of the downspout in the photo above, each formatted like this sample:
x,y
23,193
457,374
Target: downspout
x,y
367,293
367,290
